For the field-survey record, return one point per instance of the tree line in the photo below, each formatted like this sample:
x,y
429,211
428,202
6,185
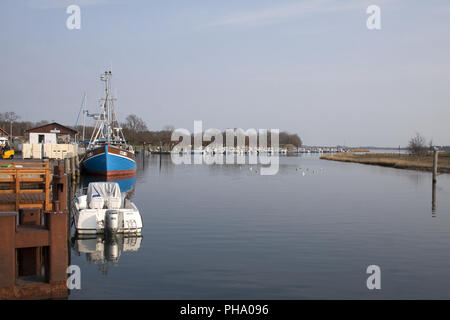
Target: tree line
x,y
134,128
9,121
137,133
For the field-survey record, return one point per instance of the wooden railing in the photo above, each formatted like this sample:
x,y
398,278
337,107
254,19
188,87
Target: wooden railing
x,y
25,185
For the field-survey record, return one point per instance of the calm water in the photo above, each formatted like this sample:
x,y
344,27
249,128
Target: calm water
x,y
226,232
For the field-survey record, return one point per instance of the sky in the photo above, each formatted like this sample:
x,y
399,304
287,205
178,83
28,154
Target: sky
x,y
310,67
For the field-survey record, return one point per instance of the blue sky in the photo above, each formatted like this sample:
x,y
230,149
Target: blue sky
x,y
310,67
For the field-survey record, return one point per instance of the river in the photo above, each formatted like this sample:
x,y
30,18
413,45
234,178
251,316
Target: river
x,y
308,232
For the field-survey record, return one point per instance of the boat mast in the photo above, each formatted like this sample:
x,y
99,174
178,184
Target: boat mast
x,y
105,77
104,130
84,116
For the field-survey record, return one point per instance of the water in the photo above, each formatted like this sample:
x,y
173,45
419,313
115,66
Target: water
x,y
226,232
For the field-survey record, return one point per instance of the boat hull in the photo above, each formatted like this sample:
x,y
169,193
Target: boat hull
x,y
109,161
93,221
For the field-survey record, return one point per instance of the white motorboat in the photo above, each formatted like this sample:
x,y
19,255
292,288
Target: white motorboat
x,y
105,208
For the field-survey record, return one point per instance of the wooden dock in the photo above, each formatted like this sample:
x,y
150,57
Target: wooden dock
x,y
25,185
34,250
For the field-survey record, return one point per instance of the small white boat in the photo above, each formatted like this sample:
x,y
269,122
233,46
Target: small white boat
x,y
105,208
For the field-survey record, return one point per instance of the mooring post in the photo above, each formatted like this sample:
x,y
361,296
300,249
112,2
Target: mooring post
x,y
7,250
60,186
72,165
58,250
57,223
433,197
77,166
66,165
435,164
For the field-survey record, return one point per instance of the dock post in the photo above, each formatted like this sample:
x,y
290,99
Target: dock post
x,y
7,250
77,166
60,186
435,164
66,165
57,225
433,198
72,166
57,222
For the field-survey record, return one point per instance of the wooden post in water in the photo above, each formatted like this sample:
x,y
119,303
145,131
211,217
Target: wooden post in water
x,y
66,165
433,198
77,167
435,173
435,164
72,166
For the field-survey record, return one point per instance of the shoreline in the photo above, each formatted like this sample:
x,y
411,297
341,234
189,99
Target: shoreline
x,y
397,161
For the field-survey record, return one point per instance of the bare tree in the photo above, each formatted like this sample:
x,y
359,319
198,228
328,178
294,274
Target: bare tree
x,y
417,145
10,117
134,123
42,123
169,127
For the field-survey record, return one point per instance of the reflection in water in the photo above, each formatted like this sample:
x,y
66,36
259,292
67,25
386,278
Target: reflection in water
x,y
163,163
101,249
213,227
433,199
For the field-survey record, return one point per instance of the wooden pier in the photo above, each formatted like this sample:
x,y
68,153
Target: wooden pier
x,y
34,233
25,185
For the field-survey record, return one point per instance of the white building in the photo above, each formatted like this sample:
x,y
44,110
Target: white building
x,y
52,133
52,141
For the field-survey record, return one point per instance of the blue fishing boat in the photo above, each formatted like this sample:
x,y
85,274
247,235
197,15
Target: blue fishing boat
x,y
108,153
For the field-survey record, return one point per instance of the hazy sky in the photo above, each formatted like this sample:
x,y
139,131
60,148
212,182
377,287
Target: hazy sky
x,y
310,67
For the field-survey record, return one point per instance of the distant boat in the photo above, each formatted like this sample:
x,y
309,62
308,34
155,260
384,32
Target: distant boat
x,y
108,153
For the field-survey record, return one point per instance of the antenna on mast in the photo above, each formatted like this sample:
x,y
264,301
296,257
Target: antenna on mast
x,y
107,110
84,114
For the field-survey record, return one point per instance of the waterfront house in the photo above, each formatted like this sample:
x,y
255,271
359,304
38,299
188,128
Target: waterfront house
x,y
52,141
53,133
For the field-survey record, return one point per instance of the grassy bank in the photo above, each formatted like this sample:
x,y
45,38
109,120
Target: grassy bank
x,y
399,161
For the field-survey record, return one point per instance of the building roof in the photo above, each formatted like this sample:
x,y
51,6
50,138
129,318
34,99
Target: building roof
x,y
52,128
3,132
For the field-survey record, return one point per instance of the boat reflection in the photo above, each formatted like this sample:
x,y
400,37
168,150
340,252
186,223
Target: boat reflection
x,y
105,248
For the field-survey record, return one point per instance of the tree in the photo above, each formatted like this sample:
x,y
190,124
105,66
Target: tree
x,y
134,123
417,145
169,127
295,140
42,123
9,117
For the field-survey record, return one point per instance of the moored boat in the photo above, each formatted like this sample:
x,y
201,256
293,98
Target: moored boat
x,y
108,153
102,207
110,161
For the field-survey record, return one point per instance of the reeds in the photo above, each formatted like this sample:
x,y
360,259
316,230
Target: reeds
x,y
399,161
